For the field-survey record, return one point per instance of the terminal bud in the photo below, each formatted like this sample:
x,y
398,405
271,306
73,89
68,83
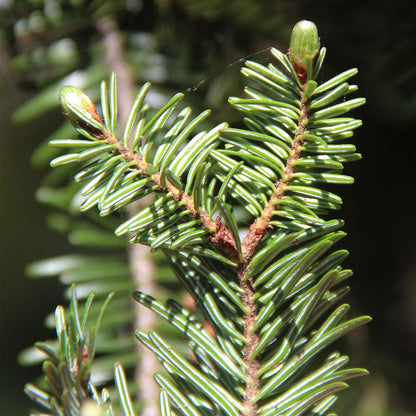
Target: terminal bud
x,y
304,42
79,107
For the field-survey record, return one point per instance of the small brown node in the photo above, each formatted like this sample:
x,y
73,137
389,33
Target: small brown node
x,y
223,239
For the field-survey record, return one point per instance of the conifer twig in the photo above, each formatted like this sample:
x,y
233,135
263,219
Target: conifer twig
x,y
256,232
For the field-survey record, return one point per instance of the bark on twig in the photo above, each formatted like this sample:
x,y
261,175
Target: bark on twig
x,y
256,232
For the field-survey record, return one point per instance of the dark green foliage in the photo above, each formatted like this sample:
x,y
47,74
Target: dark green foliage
x,y
272,297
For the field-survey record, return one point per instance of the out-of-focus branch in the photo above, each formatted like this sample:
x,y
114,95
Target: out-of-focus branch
x,y
141,265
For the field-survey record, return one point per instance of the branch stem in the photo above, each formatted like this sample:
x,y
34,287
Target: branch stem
x,y
256,232
261,225
252,340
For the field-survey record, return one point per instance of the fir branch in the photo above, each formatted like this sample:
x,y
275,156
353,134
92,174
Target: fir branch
x,y
263,307
81,110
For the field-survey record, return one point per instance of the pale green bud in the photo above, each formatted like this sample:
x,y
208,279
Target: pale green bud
x,y
79,107
304,42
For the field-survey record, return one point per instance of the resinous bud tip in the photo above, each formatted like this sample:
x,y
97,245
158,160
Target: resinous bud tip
x,y
304,42
72,99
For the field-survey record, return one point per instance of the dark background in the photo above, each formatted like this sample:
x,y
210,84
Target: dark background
x,y
198,38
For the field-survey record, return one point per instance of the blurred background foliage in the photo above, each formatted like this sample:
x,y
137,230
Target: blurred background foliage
x,y
176,44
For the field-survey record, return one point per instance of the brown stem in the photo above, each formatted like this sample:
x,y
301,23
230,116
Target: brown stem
x,y
252,340
256,232
261,225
